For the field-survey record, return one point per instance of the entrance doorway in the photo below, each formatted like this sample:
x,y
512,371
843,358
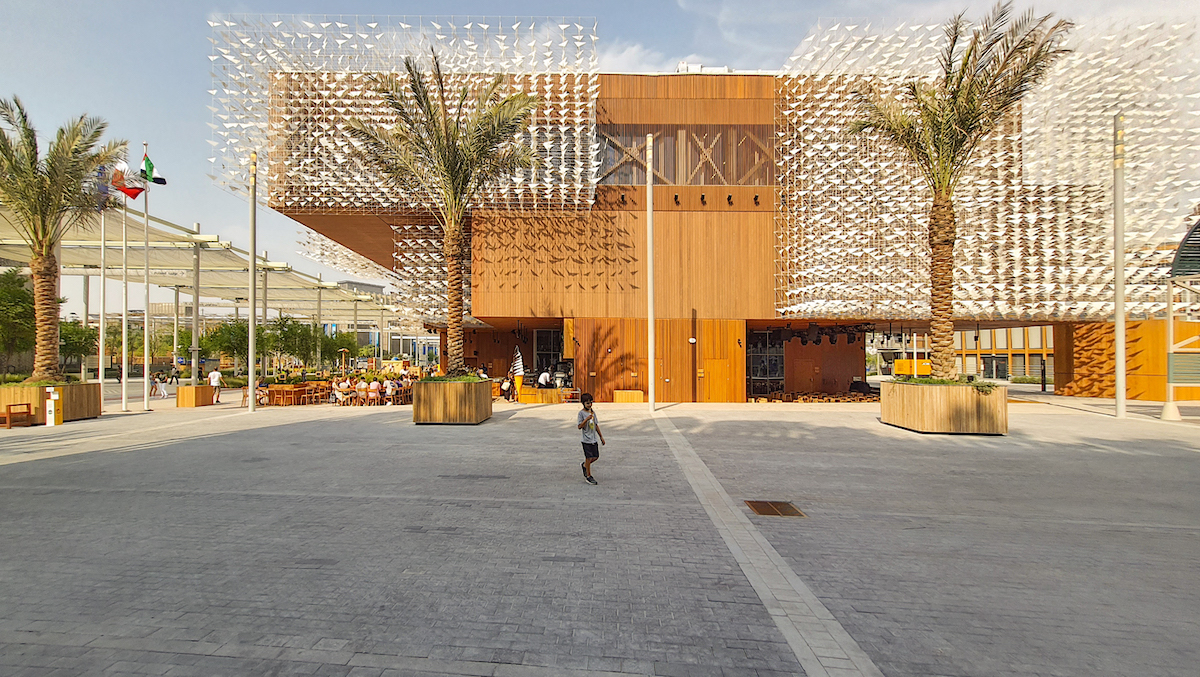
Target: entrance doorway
x,y
764,362
995,366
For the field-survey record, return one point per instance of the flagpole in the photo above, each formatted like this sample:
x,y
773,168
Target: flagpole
x,y
125,304
146,279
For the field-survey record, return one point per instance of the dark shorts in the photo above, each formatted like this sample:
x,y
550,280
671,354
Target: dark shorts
x,y
591,450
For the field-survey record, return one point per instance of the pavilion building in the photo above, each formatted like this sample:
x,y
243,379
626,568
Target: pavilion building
x,y
780,240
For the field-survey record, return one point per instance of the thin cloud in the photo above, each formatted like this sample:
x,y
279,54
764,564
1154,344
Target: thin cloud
x,y
618,56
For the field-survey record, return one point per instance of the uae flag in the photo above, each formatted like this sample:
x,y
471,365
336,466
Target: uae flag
x,y
118,182
148,172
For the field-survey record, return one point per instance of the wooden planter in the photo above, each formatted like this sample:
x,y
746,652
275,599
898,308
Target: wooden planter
x,y
194,396
452,402
79,400
944,408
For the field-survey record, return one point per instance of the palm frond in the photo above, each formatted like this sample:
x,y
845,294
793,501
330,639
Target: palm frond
x,y
984,75
46,196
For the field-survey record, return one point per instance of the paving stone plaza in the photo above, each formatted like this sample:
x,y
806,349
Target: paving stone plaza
x,y
347,541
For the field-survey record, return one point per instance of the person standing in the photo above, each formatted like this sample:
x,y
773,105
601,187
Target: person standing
x,y
174,375
592,437
216,380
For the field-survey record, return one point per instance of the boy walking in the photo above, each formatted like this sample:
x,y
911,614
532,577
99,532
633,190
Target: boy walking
x,y
592,437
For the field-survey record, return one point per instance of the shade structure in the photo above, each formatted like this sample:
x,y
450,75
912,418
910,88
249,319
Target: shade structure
x,y
223,271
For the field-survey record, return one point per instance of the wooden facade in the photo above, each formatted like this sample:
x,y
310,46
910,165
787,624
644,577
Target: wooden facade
x,y
1085,359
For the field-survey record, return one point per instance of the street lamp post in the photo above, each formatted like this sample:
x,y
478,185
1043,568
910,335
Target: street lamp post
x,y
250,339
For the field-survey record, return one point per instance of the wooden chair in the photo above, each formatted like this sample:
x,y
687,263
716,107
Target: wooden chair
x,y
20,415
293,395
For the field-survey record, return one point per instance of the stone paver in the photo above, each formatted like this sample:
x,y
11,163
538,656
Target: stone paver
x,y
1070,547
271,543
820,643
336,541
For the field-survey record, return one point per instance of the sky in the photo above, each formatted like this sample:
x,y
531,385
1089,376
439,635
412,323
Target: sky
x,y
144,67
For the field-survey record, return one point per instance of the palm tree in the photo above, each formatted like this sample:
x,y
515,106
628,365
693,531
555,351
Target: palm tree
x,y
940,124
44,198
447,147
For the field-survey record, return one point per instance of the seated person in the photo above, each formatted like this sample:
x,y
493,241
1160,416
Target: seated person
x,y
342,392
373,390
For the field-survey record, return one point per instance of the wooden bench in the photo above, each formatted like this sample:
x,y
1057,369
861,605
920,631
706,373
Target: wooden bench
x,y
18,414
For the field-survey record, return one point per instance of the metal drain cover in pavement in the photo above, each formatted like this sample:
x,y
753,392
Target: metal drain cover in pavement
x,y
777,508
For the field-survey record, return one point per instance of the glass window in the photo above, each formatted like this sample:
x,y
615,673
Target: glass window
x,y
1018,364
958,364
970,341
1050,338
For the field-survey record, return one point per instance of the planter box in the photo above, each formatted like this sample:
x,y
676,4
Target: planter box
x,y
452,402
944,408
194,396
79,400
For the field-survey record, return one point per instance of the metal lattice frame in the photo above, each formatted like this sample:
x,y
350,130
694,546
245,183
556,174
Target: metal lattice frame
x,y
288,84
1034,213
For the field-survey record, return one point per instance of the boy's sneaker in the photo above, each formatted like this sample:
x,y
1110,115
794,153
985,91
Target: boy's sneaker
x,y
592,480
583,467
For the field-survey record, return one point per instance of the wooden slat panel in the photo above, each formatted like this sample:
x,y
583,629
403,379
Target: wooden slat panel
x,y
79,401
568,349
193,396
944,409
679,86
719,265
715,199
452,402
685,111
1085,360
615,350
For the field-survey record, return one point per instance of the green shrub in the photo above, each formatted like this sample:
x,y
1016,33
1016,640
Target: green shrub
x,y
982,387
461,379
1026,379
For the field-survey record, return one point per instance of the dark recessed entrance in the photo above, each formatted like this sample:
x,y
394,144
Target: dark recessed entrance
x,y
775,508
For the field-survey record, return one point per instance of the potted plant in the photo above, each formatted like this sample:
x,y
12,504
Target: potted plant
x,y
931,405
939,125
447,147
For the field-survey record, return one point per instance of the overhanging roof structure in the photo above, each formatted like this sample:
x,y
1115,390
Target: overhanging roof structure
x,y
224,270
1187,256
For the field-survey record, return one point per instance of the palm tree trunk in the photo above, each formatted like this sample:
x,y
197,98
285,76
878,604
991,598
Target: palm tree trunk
x,y
44,270
455,365
942,233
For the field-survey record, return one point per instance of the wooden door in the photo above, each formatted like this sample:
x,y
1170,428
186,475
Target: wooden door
x,y
714,384
803,377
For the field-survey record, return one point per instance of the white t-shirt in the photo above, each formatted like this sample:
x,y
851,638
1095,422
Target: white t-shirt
x,y
544,379
214,378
